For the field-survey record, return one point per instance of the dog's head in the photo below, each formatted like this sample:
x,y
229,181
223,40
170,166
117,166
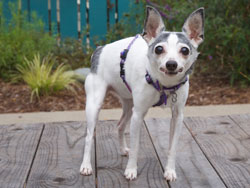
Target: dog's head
x,y
172,54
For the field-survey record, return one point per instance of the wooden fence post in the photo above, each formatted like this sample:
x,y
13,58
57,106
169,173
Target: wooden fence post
x,y
58,21
19,5
1,12
79,19
116,11
108,5
28,7
58,17
87,22
49,16
19,13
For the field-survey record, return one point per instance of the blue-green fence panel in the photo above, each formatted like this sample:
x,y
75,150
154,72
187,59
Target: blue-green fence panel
x,y
98,18
68,14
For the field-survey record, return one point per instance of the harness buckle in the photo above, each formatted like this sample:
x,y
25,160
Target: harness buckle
x,y
148,79
123,54
122,72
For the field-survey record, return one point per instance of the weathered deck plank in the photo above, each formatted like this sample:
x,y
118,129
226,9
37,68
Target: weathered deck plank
x,y
215,154
18,145
221,141
59,157
243,120
111,165
192,167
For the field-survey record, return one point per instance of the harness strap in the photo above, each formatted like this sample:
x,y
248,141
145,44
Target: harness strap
x,y
164,96
123,57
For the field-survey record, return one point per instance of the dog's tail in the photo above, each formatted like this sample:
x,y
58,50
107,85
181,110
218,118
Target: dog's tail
x,y
95,59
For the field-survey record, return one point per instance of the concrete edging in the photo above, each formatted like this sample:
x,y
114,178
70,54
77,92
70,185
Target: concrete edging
x,y
114,114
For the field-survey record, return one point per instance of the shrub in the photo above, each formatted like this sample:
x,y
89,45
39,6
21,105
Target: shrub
x,y
225,50
227,34
74,53
41,78
20,38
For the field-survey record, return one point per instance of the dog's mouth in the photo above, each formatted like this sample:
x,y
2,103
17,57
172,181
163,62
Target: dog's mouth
x,y
171,73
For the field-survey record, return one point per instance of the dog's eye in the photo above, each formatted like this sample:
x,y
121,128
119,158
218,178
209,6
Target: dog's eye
x,y
158,50
184,51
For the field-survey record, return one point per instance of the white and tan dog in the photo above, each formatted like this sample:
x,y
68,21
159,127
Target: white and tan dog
x,y
152,70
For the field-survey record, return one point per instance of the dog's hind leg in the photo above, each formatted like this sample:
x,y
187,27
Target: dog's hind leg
x,y
95,88
127,105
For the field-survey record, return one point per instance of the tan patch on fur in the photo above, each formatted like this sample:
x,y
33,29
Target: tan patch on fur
x,y
153,24
195,26
151,28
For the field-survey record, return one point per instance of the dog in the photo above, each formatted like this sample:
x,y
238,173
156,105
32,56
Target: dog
x,y
153,70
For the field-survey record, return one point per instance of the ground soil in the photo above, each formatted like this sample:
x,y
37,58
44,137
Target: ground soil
x,y
204,90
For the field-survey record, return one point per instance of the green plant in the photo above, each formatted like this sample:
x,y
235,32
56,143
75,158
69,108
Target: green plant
x,y
20,38
227,33
74,53
225,51
41,77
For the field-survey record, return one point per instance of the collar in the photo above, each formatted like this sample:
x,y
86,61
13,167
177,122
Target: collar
x,y
161,89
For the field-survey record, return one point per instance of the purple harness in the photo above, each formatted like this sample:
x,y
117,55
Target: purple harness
x,y
123,57
163,96
156,85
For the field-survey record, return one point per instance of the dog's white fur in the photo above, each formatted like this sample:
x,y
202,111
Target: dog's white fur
x,y
136,104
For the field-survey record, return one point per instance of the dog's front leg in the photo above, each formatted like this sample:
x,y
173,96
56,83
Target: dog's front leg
x,y
175,131
136,123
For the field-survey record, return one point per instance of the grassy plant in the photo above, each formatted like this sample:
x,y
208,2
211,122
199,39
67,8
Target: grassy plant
x,y
41,77
20,38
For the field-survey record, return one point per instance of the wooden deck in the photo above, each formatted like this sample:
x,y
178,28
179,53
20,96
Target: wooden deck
x,y
213,152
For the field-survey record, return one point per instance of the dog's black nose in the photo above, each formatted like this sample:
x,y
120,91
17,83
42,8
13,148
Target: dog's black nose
x,y
171,65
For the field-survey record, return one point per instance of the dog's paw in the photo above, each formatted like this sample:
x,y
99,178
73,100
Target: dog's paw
x,y
130,173
170,175
86,169
124,151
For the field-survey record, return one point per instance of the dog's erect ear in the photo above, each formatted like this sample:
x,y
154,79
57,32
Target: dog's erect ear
x,y
194,27
153,24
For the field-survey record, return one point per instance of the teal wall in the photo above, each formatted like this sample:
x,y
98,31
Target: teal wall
x,y
98,14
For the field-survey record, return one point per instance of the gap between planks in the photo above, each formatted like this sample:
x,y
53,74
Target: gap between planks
x,y
34,156
224,141
18,144
192,168
59,156
157,155
111,165
204,153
